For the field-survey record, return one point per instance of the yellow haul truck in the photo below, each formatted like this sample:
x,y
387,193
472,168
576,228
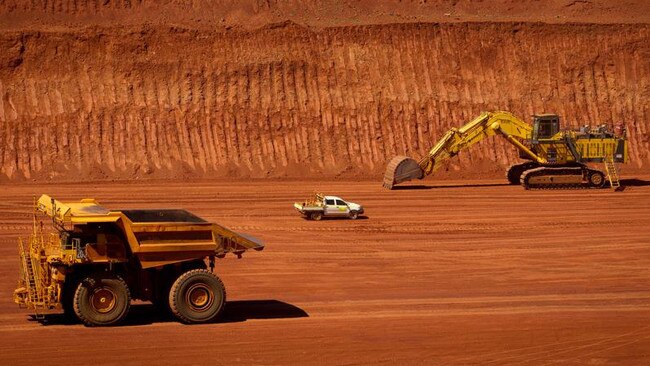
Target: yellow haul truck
x,y
95,261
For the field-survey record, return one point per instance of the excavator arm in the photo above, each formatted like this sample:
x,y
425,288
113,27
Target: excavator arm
x,y
402,168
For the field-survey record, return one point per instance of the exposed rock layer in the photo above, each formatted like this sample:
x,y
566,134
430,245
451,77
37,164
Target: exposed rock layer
x,y
287,100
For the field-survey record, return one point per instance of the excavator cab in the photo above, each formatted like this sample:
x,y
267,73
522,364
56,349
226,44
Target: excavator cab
x,y
545,126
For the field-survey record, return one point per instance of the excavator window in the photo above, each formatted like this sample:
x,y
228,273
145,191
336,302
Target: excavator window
x,y
545,126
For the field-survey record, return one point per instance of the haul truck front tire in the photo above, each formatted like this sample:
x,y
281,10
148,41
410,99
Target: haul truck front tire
x,y
197,296
101,300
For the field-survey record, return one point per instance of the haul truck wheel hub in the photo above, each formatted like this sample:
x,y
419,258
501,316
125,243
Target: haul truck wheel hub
x,y
103,300
199,297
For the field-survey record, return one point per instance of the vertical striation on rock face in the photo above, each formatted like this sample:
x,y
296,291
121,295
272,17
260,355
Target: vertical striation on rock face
x,y
286,100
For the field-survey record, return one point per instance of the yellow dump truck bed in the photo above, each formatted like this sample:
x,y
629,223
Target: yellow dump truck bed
x,y
157,237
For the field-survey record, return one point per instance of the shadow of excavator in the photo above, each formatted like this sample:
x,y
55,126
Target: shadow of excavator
x,y
422,186
629,182
633,182
235,311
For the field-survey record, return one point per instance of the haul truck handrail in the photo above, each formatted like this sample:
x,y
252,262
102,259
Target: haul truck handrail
x,y
86,210
457,139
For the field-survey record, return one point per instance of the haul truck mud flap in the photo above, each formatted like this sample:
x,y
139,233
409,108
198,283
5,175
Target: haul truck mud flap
x,y
402,169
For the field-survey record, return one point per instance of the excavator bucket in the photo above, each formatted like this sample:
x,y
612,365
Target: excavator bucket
x,y
401,169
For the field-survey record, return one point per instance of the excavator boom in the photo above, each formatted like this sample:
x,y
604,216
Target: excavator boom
x,y
401,168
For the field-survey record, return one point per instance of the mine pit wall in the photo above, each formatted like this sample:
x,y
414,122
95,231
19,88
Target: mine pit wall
x,y
288,101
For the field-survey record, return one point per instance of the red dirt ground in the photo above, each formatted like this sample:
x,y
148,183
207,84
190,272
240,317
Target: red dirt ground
x,y
452,273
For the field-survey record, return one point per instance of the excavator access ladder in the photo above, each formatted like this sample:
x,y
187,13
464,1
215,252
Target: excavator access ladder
x,y
612,174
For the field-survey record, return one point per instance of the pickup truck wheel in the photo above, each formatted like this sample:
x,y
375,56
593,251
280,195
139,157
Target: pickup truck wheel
x,y
197,296
316,216
354,215
101,300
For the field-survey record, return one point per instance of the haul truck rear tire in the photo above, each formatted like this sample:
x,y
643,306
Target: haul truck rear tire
x,y
197,296
101,300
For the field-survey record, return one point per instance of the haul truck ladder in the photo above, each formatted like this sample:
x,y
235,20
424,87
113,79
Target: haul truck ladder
x,y
31,279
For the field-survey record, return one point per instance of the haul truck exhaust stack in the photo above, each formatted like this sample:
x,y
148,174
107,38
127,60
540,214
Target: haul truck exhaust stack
x,y
94,261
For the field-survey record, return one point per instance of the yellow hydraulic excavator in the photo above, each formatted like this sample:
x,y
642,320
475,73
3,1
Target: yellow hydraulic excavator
x,y
556,159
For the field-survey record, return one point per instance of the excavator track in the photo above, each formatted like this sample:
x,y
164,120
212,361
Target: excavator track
x,y
554,178
514,172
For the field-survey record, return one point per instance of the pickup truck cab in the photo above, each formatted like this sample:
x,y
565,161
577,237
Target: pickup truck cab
x,y
321,206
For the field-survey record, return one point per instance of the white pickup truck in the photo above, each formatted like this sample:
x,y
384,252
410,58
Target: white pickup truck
x,y
320,206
